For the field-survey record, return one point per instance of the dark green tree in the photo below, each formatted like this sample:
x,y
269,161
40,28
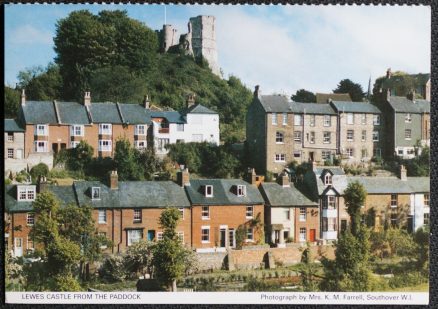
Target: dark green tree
x,y
41,84
11,103
355,90
304,96
80,157
308,270
125,159
149,162
354,197
139,257
421,238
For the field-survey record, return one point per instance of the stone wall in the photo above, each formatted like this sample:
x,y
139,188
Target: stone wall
x,y
211,260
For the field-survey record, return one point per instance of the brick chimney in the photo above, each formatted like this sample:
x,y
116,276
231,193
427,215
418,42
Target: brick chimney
x,y
283,180
114,180
87,98
190,100
42,184
388,73
146,102
184,177
23,97
252,176
403,173
257,91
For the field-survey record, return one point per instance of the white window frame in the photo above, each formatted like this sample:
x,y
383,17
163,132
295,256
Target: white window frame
x,y
105,145
303,231
136,217
298,137
426,199
408,118
349,152
297,154
105,128
208,191
274,119
394,201
350,135
249,234
41,149
10,153
30,218
10,136
363,119
104,235
101,217
42,130
180,127
364,136
93,191
180,236
241,190
326,137
312,137
249,212
376,136
350,118
140,129
77,130
327,120
376,120
140,144
181,211
408,134
303,214
426,218
138,238
298,120
328,224
328,180
26,193
325,155
279,137
159,236
329,202
205,228
312,120
30,246
205,212
280,157
74,144
162,142
284,119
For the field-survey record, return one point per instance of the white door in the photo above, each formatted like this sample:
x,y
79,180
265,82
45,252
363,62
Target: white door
x,y
19,153
18,247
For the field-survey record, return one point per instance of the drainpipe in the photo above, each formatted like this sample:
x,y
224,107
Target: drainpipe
x,y
112,230
121,231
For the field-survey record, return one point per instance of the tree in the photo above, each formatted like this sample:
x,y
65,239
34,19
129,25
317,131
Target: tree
x,y
304,96
41,84
347,86
421,238
308,270
149,162
354,197
12,102
40,169
80,157
138,258
125,159
169,252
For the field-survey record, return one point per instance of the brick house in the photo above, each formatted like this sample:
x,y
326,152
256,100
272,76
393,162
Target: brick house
x,y
220,207
288,213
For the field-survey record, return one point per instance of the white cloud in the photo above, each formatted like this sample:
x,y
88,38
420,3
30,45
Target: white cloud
x,y
28,34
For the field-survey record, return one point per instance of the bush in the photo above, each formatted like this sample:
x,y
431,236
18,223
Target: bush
x,y
65,283
40,169
22,176
8,181
112,269
407,279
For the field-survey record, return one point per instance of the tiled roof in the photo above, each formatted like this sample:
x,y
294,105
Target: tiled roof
x,y
276,195
355,107
419,184
105,113
72,113
171,116
312,108
135,114
381,185
199,109
223,192
324,97
12,125
39,112
281,104
404,105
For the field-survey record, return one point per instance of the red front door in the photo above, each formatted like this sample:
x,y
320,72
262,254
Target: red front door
x,y
312,235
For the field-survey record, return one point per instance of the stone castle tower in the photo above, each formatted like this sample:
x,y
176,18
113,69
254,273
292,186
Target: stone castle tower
x,y
199,41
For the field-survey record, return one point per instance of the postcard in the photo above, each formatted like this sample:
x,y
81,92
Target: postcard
x,y
246,154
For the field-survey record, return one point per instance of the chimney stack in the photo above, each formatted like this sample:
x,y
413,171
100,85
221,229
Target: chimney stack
x,y
87,98
184,177
190,100
411,95
403,173
146,102
252,176
23,97
388,73
284,180
257,91
114,180
42,184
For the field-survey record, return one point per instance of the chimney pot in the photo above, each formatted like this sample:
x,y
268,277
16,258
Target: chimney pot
x,y
146,102
256,91
87,98
403,173
23,97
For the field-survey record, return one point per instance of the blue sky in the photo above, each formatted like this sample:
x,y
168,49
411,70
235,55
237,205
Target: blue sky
x,y
280,48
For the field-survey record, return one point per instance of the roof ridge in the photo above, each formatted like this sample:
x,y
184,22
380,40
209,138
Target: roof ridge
x,y
120,112
90,118
58,117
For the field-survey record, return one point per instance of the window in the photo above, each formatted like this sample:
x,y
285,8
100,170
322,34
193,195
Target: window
x,y
181,213
364,153
180,127
349,152
297,154
10,136
376,120
408,118
105,145
134,236
30,219
426,219
208,190
377,152
327,121
162,142
394,200
140,144
205,234
231,237
249,234
303,234
280,157
274,119
41,146
364,136
297,120
303,214
326,138
363,118
74,144
95,193
375,136
312,120
105,128
279,137
241,190
249,211
26,193
350,135
329,202
284,118
410,151
297,136
159,236
328,224
408,134
400,152
140,129
394,219
42,130
205,212
181,236
103,236
76,130
30,245
312,138
137,215
102,216
325,155
426,200
350,118
287,214
328,179
10,153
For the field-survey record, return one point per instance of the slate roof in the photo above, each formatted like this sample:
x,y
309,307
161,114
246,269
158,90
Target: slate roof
x,y
382,185
223,192
324,97
276,195
419,184
355,107
199,109
12,125
72,113
171,116
39,112
404,105
281,104
135,114
105,113
312,108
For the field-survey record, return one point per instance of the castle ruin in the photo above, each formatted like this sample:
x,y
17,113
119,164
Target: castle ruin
x,y
199,41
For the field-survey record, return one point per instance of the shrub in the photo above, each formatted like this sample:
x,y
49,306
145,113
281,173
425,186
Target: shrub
x,y
112,269
40,169
65,283
7,181
22,176
407,279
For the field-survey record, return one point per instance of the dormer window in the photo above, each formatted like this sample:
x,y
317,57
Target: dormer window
x,y
208,191
241,190
328,179
95,193
26,193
